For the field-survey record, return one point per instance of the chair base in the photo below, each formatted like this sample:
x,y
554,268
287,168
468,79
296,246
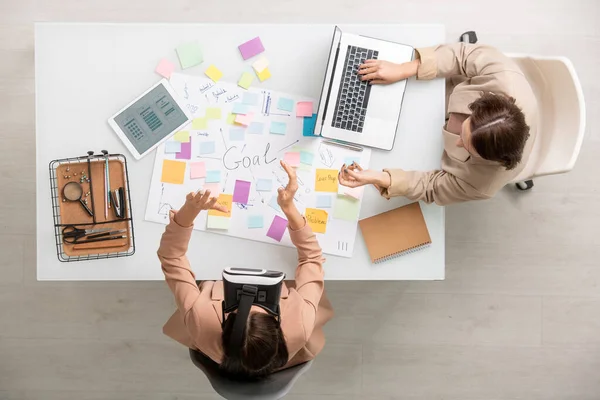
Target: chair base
x,y
524,185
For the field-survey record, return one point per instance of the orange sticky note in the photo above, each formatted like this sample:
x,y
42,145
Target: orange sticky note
x,y
173,172
225,200
326,180
317,219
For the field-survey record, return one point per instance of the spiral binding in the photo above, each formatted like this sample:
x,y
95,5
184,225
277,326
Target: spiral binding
x,y
401,253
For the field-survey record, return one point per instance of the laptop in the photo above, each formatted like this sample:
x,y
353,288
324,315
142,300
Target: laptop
x,y
351,110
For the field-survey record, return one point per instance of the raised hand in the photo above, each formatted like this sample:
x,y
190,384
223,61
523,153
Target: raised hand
x,y
194,203
285,197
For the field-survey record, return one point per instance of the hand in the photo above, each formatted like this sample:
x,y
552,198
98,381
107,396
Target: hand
x,y
384,72
194,203
354,176
285,197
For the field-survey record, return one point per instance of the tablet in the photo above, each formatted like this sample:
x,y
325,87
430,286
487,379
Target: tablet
x,y
150,119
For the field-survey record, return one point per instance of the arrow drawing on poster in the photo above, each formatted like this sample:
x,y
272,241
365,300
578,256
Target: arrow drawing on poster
x,y
163,208
289,145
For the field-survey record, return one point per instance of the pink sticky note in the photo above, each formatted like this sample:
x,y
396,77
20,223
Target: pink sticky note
x,y
251,48
292,158
244,119
197,170
355,193
241,192
277,228
213,187
165,68
304,109
186,151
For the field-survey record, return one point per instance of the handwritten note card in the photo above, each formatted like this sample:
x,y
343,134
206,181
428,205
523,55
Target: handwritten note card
x,y
277,228
323,201
317,219
241,192
239,108
250,99
256,128
213,113
244,119
173,172
306,157
207,147
197,170
285,104
186,151
237,134
277,128
165,68
264,185
326,180
172,147
292,158
200,123
255,221
189,55
226,200
304,109
264,74
260,64
251,48
346,209
213,73
245,80
182,136
213,176
216,222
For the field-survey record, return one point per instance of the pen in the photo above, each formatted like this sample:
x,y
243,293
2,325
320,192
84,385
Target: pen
x,y
343,144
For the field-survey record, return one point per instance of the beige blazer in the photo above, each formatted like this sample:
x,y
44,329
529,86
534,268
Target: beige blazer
x,y
470,70
197,322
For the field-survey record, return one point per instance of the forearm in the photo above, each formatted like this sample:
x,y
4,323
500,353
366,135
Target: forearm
x,y
295,219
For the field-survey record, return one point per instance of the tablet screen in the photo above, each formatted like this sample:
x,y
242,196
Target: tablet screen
x,y
151,118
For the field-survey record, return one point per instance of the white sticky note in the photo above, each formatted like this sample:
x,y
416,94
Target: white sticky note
x,y
256,128
172,147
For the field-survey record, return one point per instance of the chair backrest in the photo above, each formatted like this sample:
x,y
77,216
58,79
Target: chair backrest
x,y
561,122
272,388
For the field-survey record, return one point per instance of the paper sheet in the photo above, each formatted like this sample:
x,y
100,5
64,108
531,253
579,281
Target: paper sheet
x,y
173,172
197,170
326,180
285,104
186,151
255,221
225,200
172,147
241,192
182,136
213,176
317,219
264,74
251,48
278,128
277,228
256,128
304,109
245,80
165,68
189,55
213,73
215,222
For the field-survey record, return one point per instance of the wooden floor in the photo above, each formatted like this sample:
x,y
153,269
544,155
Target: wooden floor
x,y
517,318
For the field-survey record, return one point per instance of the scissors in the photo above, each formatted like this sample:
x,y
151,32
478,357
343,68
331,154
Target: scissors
x,y
72,234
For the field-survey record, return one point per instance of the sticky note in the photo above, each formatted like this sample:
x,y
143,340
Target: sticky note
x,y
230,118
264,74
213,113
213,73
213,187
277,228
323,201
237,134
251,48
216,222
200,123
260,64
186,151
256,128
285,104
250,99
172,147
197,170
292,158
317,219
173,172
207,147
239,108
354,193
264,185
244,119
304,109
346,209
308,125
225,200
241,192
306,157
274,205
245,80
182,136
326,180
165,68
189,55
255,221
350,160
277,128
213,176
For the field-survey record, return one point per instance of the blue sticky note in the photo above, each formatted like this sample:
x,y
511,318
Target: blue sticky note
x,y
237,134
239,108
277,128
172,147
323,201
273,204
207,147
285,104
250,99
213,176
256,128
350,160
308,126
306,157
255,221
264,185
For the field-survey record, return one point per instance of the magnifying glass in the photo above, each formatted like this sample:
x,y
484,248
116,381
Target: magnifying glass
x,y
73,192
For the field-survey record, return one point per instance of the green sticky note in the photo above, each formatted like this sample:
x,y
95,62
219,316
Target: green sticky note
x,y
213,113
346,209
231,119
215,222
245,80
199,123
189,54
182,136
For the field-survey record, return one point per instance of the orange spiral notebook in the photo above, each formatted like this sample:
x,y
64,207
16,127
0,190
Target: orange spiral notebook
x,y
394,233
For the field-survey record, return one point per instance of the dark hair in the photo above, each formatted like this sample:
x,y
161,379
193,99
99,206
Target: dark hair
x,y
263,348
498,129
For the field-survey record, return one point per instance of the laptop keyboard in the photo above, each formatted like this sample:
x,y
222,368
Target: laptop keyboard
x,y
353,96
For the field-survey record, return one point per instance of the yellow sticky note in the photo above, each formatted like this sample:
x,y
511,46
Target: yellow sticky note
x,y
213,73
213,113
214,222
326,180
264,74
245,80
231,119
199,123
173,172
317,219
224,200
182,136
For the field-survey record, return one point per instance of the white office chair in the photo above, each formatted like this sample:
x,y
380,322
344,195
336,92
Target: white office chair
x,y
561,123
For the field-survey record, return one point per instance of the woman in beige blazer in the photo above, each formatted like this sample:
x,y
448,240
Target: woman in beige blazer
x,y
267,345
490,111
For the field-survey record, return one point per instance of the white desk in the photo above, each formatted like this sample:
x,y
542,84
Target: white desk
x,y
86,72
